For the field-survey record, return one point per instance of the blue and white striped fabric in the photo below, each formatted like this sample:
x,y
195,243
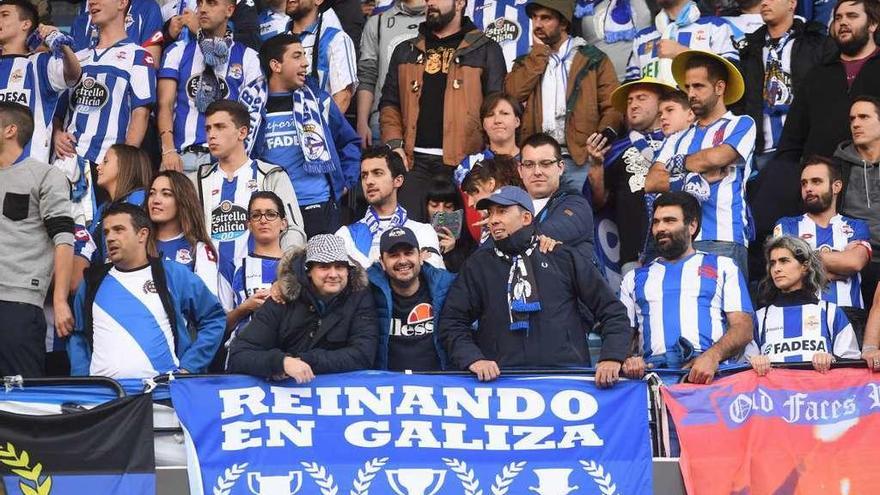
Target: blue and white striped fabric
x,y
114,82
36,81
468,163
184,63
272,23
725,214
252,273
685,298
506,22
778,96
227,200
337,59
705,33
132,332
792,334
143,24
836,236
199,259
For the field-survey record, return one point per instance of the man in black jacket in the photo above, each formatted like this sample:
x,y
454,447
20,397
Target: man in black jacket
x,y
542,325
775,60
327,324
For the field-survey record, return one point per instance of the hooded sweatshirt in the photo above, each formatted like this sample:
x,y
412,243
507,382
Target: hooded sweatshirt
x,y
860,197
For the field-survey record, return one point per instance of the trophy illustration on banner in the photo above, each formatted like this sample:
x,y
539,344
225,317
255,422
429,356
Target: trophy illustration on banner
x,y
275,485
415,481
553,482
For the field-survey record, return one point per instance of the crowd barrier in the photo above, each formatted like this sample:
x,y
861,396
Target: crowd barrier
x,y
48,396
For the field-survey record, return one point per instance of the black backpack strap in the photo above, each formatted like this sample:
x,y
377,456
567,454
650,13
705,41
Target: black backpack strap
x,y
161,281
93,278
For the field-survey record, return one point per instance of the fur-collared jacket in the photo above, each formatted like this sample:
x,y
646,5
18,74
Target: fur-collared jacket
x,y
331,335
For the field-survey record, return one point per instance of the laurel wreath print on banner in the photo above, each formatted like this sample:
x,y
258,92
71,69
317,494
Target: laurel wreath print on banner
x,y
19,462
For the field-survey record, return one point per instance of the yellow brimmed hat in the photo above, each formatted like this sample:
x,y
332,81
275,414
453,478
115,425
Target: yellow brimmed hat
x,y
620,95
735,84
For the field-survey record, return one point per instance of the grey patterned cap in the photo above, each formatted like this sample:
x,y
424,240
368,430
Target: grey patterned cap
x,y
326,248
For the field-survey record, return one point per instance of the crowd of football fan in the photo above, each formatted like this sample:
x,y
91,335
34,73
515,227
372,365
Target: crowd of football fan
x,y
292,188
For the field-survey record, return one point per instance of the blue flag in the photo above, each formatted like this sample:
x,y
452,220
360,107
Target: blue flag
x,y
390,433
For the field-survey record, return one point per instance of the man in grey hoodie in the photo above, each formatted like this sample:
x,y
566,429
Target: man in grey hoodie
x,y
37,232
859,162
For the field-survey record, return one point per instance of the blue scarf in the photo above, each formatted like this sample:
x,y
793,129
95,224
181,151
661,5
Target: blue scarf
x,y
216,54
618,24
372,219
310,128
307,120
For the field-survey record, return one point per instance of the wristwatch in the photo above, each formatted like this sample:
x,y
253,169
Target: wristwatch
x,y
394,144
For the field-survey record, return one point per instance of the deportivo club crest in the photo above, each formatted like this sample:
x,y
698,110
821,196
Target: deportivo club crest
x,y
314,144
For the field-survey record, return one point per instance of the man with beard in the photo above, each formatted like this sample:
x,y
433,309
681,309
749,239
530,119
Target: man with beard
x,y
690,309
409,294
818,119
843,243
565,86
329,50
454,65
542,294
382,175
775,61
712,159
618,169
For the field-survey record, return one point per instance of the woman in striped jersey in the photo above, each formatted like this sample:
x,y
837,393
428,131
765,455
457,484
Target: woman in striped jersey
x,y
255,273
793,325
180,234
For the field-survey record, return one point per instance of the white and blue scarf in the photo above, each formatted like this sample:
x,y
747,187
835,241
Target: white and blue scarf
x,y
618,24
310,128
522,287
308,121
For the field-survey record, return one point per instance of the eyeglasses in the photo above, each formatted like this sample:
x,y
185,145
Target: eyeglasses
x,y
543,164
269,215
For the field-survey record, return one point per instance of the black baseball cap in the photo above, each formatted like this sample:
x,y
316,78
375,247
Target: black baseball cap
x,y
396,236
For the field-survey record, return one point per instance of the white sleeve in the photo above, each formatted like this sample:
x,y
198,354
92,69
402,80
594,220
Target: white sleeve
x,y
343,63
252,70
428,240
206,268
667,150
55,71
627,297
734,292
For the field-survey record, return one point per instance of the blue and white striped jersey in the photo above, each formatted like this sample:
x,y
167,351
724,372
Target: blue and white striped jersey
x,y
37,82
199,259
132,332
272,23
725,213
227,200
705,33
685,298
142,23
506,22
184,63
251,273
337,60
791,334
778,90
114,82
836,236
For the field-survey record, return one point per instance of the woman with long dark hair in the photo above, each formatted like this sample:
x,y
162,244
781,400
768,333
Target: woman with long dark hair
x,y
180,234
793,324
123,175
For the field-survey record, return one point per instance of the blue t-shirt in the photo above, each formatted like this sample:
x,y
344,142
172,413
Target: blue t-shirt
x,y
282,148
